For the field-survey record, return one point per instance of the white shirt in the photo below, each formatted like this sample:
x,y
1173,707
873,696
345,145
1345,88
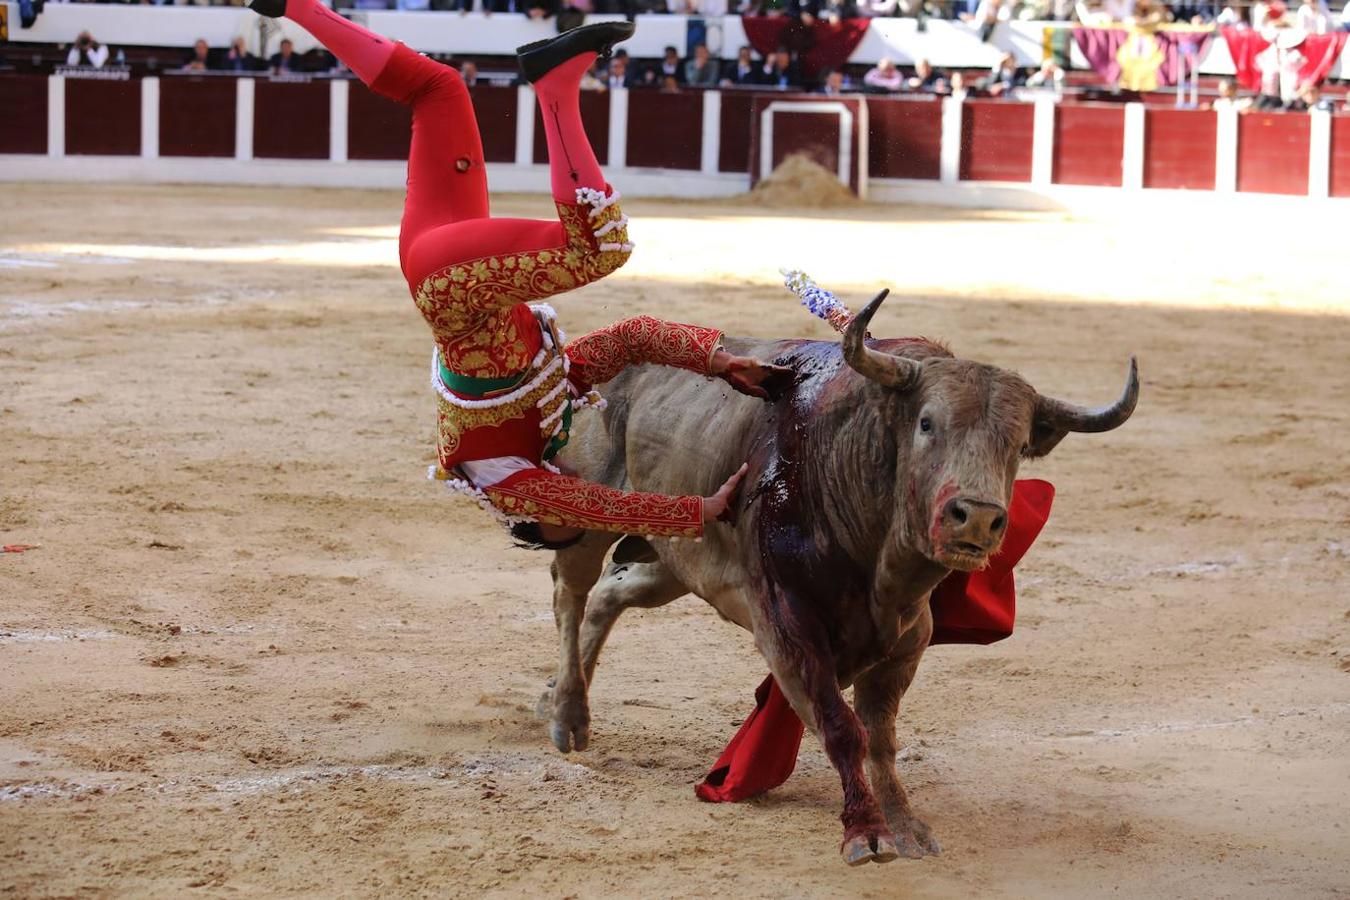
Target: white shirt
x,y
877,78
486,472
97,56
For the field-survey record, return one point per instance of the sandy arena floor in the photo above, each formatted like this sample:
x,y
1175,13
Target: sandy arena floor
x,y
257,654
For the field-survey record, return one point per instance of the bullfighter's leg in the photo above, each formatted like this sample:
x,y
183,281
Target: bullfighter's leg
x,y
575,570
799,656
876,697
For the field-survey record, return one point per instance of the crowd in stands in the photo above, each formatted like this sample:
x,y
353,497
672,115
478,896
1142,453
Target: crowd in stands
x,y
1313,15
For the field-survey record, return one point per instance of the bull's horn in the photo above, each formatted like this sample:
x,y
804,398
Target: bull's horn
x,y
883,368
1068,417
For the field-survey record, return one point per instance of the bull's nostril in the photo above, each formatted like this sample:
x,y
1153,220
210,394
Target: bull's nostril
x,y
997,524
958,514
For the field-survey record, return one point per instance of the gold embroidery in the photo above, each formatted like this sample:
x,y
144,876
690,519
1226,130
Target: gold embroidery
x,y
469,305
640,339
454,421
562,500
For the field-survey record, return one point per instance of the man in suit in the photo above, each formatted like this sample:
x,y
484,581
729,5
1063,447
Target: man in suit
x,y
781,71
700,71
286,60
742,70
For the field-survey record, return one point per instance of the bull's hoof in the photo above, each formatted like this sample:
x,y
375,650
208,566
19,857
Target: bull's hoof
x,y
570,737
865,848
914,839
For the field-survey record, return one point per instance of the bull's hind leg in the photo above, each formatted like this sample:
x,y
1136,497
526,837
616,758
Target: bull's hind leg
x,y
876,697
574,570
625,585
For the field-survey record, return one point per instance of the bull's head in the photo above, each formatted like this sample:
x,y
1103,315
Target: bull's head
x,y
965,427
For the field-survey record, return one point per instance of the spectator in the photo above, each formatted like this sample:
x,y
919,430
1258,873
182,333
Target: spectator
x,y
594,77
197,61
987,16
1003,77
1314,17
886,8
286,59
468,72
700,71
670,84
618,75
1049,75
1310,99
835,11
238,59
742,70
781,70
926,78
87,52
1228,97
670,65
958,85
833,84
884,76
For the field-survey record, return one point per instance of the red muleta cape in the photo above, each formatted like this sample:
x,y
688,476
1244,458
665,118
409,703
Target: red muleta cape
x,y
968,608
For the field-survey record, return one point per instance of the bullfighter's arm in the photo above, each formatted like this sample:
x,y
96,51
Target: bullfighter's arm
x,y
599,356
537,494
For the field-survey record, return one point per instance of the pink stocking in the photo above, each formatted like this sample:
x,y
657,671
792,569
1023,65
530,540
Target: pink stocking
x,y
571,160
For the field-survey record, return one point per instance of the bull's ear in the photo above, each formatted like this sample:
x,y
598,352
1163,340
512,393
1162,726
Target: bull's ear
x,y
1043,439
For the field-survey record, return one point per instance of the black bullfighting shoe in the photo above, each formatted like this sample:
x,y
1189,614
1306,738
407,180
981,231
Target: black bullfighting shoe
x,y
538,59
273,9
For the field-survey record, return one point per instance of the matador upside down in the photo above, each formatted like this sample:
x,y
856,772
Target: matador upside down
x,y
507,382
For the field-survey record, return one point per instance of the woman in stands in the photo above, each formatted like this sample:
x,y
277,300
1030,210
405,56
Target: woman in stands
x,y
506,382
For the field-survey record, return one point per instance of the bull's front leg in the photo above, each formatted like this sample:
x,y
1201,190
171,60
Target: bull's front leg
x,y
574,571
797,649
876,696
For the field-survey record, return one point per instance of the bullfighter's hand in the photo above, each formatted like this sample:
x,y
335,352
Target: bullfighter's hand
x,y
750,376
717,508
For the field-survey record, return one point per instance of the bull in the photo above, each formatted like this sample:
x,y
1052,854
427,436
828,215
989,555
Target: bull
x,y
887,465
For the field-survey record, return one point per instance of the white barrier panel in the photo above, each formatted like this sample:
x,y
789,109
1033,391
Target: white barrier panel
x,y
942,42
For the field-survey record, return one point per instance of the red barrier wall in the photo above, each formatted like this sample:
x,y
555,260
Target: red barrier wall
x,y
1340,156
904,138
103,118
1273,152
595,118
24,101
734,154
665,131
290,119
196,116
996,141
1179,149
1089,144
377,128
495,108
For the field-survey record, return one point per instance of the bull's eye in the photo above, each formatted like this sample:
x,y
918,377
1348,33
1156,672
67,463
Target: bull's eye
x,y
926,425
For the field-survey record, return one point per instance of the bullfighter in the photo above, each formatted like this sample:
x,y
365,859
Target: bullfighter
x,y
507,382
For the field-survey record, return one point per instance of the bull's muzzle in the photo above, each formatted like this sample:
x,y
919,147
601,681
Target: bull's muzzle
x,y
969,531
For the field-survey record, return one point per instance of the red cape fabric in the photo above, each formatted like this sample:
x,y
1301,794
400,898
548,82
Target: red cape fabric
x,y
825,45
1320,51
968,608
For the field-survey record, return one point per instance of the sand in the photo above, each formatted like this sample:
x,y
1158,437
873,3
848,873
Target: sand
x,y
256,654
800,182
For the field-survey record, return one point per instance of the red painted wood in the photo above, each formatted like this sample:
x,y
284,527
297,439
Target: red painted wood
x,y
1340,156
665,131
103,118
1179,149
495,108
594,118
1273,152
24,101
1089,143
196,116
377,128
733,154
290,119
904,138
814,134
996,141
